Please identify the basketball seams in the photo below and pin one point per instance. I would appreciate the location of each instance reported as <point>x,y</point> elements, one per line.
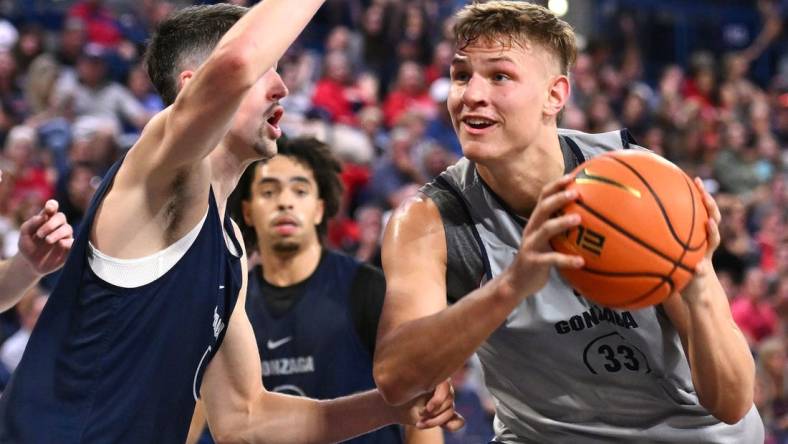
<point>642,280</point>
<point>680,259</point>
<point>689,241</point>
<point>625,273</point>
<point>630,274</point>
<point>665,280</point>
<point>656,199</point>
<point>632,237</point>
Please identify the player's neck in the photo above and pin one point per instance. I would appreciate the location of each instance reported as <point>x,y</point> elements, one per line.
<point>284,270</point>
<point>226,170</point>
<point>519,180</point>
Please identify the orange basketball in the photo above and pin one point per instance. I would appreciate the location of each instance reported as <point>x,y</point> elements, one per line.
<point>643,229</point>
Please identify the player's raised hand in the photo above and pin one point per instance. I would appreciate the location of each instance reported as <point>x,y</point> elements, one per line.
<point>533,262</point>
<point>45,239</point>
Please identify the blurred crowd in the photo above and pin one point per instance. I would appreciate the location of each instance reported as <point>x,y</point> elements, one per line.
<point>370,77</point>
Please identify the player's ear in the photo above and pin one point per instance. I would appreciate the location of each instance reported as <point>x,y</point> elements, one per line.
<point>321,209</point>
<point>184,78</point>
<point>246,211</point>
<point>557,95</point>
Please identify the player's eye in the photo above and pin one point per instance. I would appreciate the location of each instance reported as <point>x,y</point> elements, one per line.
<point>460,76</point>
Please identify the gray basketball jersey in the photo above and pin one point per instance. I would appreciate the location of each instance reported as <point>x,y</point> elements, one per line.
<point>562,369</point>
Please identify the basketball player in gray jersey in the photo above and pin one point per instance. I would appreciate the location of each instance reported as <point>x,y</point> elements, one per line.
<point>561,369</point>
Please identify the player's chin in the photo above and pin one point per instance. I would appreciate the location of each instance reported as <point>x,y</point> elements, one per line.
<point>285,245</point>
<point>265,148</point>
<point>476,150</point>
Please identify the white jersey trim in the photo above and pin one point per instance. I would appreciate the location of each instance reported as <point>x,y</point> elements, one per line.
<point>133,273</point>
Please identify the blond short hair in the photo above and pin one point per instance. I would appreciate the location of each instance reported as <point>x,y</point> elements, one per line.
<point>517,22</point>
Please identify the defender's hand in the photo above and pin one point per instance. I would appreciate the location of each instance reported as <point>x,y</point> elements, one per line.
<point>435,409</point>
<point>45,239</point>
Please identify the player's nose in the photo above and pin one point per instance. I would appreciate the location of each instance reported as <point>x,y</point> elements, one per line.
<point>475,92</point>
<point>278,89</point>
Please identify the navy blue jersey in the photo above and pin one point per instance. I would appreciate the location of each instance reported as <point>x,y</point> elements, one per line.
<point>123,365</point>
<point>313,349</point>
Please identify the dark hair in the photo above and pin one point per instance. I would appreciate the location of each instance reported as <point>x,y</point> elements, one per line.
<point>183,41</point>
<point>311,153</point>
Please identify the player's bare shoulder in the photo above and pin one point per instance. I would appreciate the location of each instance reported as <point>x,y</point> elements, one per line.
<point>415,230</point>
<point>158,206</point>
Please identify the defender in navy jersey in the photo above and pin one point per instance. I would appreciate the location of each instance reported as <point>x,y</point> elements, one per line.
<point>314,311</point>
<point>478,236</point>
<point>149,311</point>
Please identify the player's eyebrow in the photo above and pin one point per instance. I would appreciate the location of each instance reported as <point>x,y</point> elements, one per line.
<point>459,60</point>
<point>463,60</point>
<point>268,180</point>
<point>274,180</point>
<point>299,179</point>
<point>499,59</point>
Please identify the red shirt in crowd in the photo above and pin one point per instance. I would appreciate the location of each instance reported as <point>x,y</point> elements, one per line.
<point>756,319</point>
<point>100,23</point>
<point>399,101</point>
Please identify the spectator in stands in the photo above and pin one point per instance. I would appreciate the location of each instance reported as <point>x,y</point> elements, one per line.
<point>396,170</point>
<point>24,171</point>
<point>737,250</point>
<point>410,93</point>
<point>773,373</point>
<point>100,23</point>
<point>92,94</point>
<point>752,311</point>
<point>72,39</point>
<point>439,128</point>
<point>140,87</point>
<point>735,166</point>
<point>29,46</point>
<point>337,92</point>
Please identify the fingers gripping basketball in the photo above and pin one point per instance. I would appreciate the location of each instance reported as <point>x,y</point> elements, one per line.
<point>643,229</point>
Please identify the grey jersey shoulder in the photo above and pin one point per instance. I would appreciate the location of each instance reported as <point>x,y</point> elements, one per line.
<point>465,268</point>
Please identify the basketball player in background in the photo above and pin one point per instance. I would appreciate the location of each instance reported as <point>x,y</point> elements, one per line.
<point>149,311</point>
<point>314,311</point>
<point>44,242</point>
<point>477,237</point>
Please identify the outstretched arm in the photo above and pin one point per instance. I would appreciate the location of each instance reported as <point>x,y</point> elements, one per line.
<point>191,128</point>
<point>44,242</point>
<point>420,341</point>
<point>239,409</point>
<point>723,371</point>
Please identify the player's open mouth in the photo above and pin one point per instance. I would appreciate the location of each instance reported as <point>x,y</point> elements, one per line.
<point>477,125</point>
<point>273,123</point>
